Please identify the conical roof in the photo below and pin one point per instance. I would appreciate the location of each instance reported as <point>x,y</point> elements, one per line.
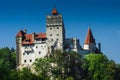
<point>19,34</point>
<point>89,38</point>
<point>54,11</point>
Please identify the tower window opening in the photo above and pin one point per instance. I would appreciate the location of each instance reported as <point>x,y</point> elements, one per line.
<point>50,28</point>
<point>57,34</point>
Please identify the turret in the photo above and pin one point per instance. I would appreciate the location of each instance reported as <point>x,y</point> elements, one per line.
<point>89,43</point>
<point>19,37</point>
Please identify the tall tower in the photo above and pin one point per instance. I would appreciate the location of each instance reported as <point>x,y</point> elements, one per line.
<point>90,41</point>
<point>18,49</point>
<point>55,30</point>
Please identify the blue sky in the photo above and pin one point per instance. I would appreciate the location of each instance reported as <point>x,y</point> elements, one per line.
<point>102,15</point>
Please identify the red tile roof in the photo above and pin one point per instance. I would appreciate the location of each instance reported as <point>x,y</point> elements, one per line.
<point>28,38</point>
<point>54,11</point>
<point>89,38</point>
<point>19,34</point>
<point>40,35</point>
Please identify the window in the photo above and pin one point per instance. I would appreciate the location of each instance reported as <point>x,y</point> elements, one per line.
<point>57,39</point>
<point>57,27</point>
<point>50,34</point>
<point>50,28</point>
<point>39,52</point>
<point>24,60</point>
<point>51,39</point>
<point>57,34</point>
<point>23,53</point>
<point>27,53</point>
<point>30,60</point>
<point>36,46</point>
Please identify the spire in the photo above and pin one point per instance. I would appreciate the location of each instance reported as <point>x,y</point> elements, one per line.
<point>89,38</point>
<point>54,11</point>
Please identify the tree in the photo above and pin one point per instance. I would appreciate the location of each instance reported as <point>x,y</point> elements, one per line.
<point>60,65</point>
<point>7,62</point>
<point>98,67</point>
<point>42,67</point>
<point>24,74</point>
<point>117,72</point>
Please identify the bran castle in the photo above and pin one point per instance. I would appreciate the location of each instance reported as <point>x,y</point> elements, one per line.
<point>32,46</point>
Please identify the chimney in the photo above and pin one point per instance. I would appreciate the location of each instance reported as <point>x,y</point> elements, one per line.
<point>99,46</point>
<point>33,36</point>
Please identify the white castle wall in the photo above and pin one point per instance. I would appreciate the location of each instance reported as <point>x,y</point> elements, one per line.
<point>31,52</point>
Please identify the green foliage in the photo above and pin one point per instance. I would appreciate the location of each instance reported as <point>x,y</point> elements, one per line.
<point>117,72</point>
<point>60,65</point>
<point>24,74</point>
<point>7,62</point>
<point>98,67</point>
<point>42,66</point>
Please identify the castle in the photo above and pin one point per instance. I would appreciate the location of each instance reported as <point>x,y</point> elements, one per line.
<point>29,47</point>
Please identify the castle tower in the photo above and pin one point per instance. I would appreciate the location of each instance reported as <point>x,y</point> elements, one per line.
<point>89,43</point>
<point>55,30</point>
<point>18,49</point>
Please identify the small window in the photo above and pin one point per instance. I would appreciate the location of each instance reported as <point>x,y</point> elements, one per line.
<point>57,34</point>
<point>44,45</point>
<point>50,28</point>
<point>57,27</point>
<point>51,39</point>
<point>50,34</point>
<point>27,53</point>
<point>30,60</point>
<point>24,60</point>
<point>39,52</point>
<point>57,39</point>
<point>23,53</point>
<point>36,46</point>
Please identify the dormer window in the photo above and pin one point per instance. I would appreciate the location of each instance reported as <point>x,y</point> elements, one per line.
<point>27,40</point>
